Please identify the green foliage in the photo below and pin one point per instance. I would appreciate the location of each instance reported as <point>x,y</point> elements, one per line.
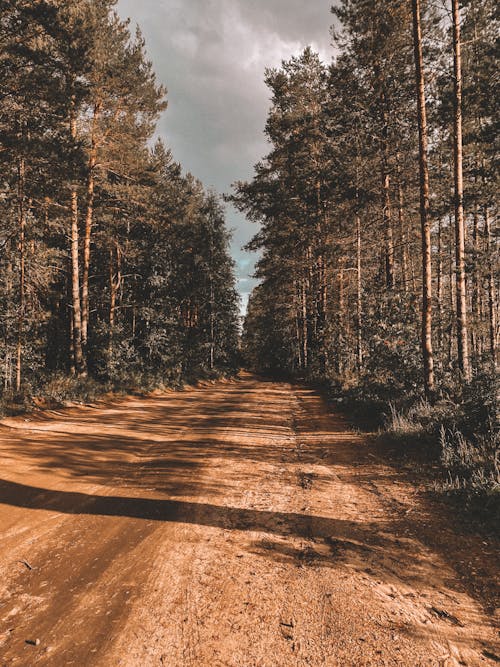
<point>77,118</point>
<point>337,199</point>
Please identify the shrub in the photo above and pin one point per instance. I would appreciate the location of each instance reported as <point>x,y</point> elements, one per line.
<point>471,466</point>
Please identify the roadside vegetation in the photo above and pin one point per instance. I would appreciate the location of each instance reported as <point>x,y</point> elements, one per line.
<point>379,250</point>
<point>115,271</point>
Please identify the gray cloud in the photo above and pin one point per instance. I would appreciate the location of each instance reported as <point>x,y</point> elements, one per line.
<point>211,55</point>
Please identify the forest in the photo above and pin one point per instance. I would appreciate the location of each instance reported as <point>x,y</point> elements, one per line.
<point>114,264</point>
<point>376,206</point>
<point>378,247</point>
<point>316,482</point>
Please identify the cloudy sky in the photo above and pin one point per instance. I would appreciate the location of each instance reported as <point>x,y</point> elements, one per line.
<point>211,55</point>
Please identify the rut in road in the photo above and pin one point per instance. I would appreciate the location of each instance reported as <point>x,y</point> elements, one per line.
<point>233,524</point>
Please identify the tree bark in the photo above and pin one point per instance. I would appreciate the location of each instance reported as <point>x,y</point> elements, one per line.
<point>88,226</point>
<point>403,240</point>
<point>426,341</point>
<point>8,352</point>
<point>359,303</point>
<point>386,197</point>
<point>389,241</point>
<point>115,279</point>
<point>490,281</point>
<point>439,271</point>
<point>475,337</point>
<point>341,320</point>
<point>452,338</point>
<point>21,173</point>
<point>305,336</point>
<point>462,334</point>
<point>79,358</point>
<point>212,323</point>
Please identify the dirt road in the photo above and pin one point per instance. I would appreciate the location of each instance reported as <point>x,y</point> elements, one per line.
<point>236,524</point>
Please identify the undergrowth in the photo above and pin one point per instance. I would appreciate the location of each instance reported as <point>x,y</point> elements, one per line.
<point>458,431</point>
<point>59,389</point>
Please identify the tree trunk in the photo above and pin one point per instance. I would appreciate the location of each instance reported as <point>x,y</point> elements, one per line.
<point>115,279</point>
<point>389,241</point>
<point>359,304</point>
<point>305,336</point>
<point>439,271</point>
<point>490,281</point>
<point>212,323</point>
<point>476,340</point>
<point>427,353</point>
<point>462,335</point>
<point>402,235</point>
<point>453,297</point>
<point>8,353</point>
<point>386,196</point>
<point>88,226</point>
<point>298,324</point>
<point>21,172</point>
<point>112,305</point>
<point>75,271</point>
<point>341,320</point>
<point>71,349</point>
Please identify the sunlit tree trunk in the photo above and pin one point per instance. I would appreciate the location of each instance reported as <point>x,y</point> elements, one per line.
<point>75,271</point>
<point>88,225</point>
<point>426,341</point>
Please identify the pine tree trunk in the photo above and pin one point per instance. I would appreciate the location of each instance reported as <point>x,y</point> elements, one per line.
<point>88,226</point>
<point>297,324</point>
<point>79,359</point>
<point>409,235</point>
<point>462,334</point>
<point>389,241</point>
<point>439,277</point>
<point>305,346</point>
<point>112,305</point>
<point>341,321</point>
<point>8,356</point>
<point>452,340</point>
<point>115,279</point>
<point>21,172</point>
<point>212,324</point>
<point>490,281</point>
<point>476,291</point>
<point>386,196</point>
<point>71,347</point>
<point>427,352</point>
<point>403,240</point>
<point>359,304</point>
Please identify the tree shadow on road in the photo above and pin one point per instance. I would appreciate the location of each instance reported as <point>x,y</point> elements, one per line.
<point>163,445</point>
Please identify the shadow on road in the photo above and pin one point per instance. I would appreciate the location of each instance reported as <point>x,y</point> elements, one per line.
<point>151,509</point>
<point>162,446</point>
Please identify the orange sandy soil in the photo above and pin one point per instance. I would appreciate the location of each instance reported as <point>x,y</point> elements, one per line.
<point>234,524</point>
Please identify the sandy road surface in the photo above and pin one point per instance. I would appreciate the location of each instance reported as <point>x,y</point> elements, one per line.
<point>236,524</point>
